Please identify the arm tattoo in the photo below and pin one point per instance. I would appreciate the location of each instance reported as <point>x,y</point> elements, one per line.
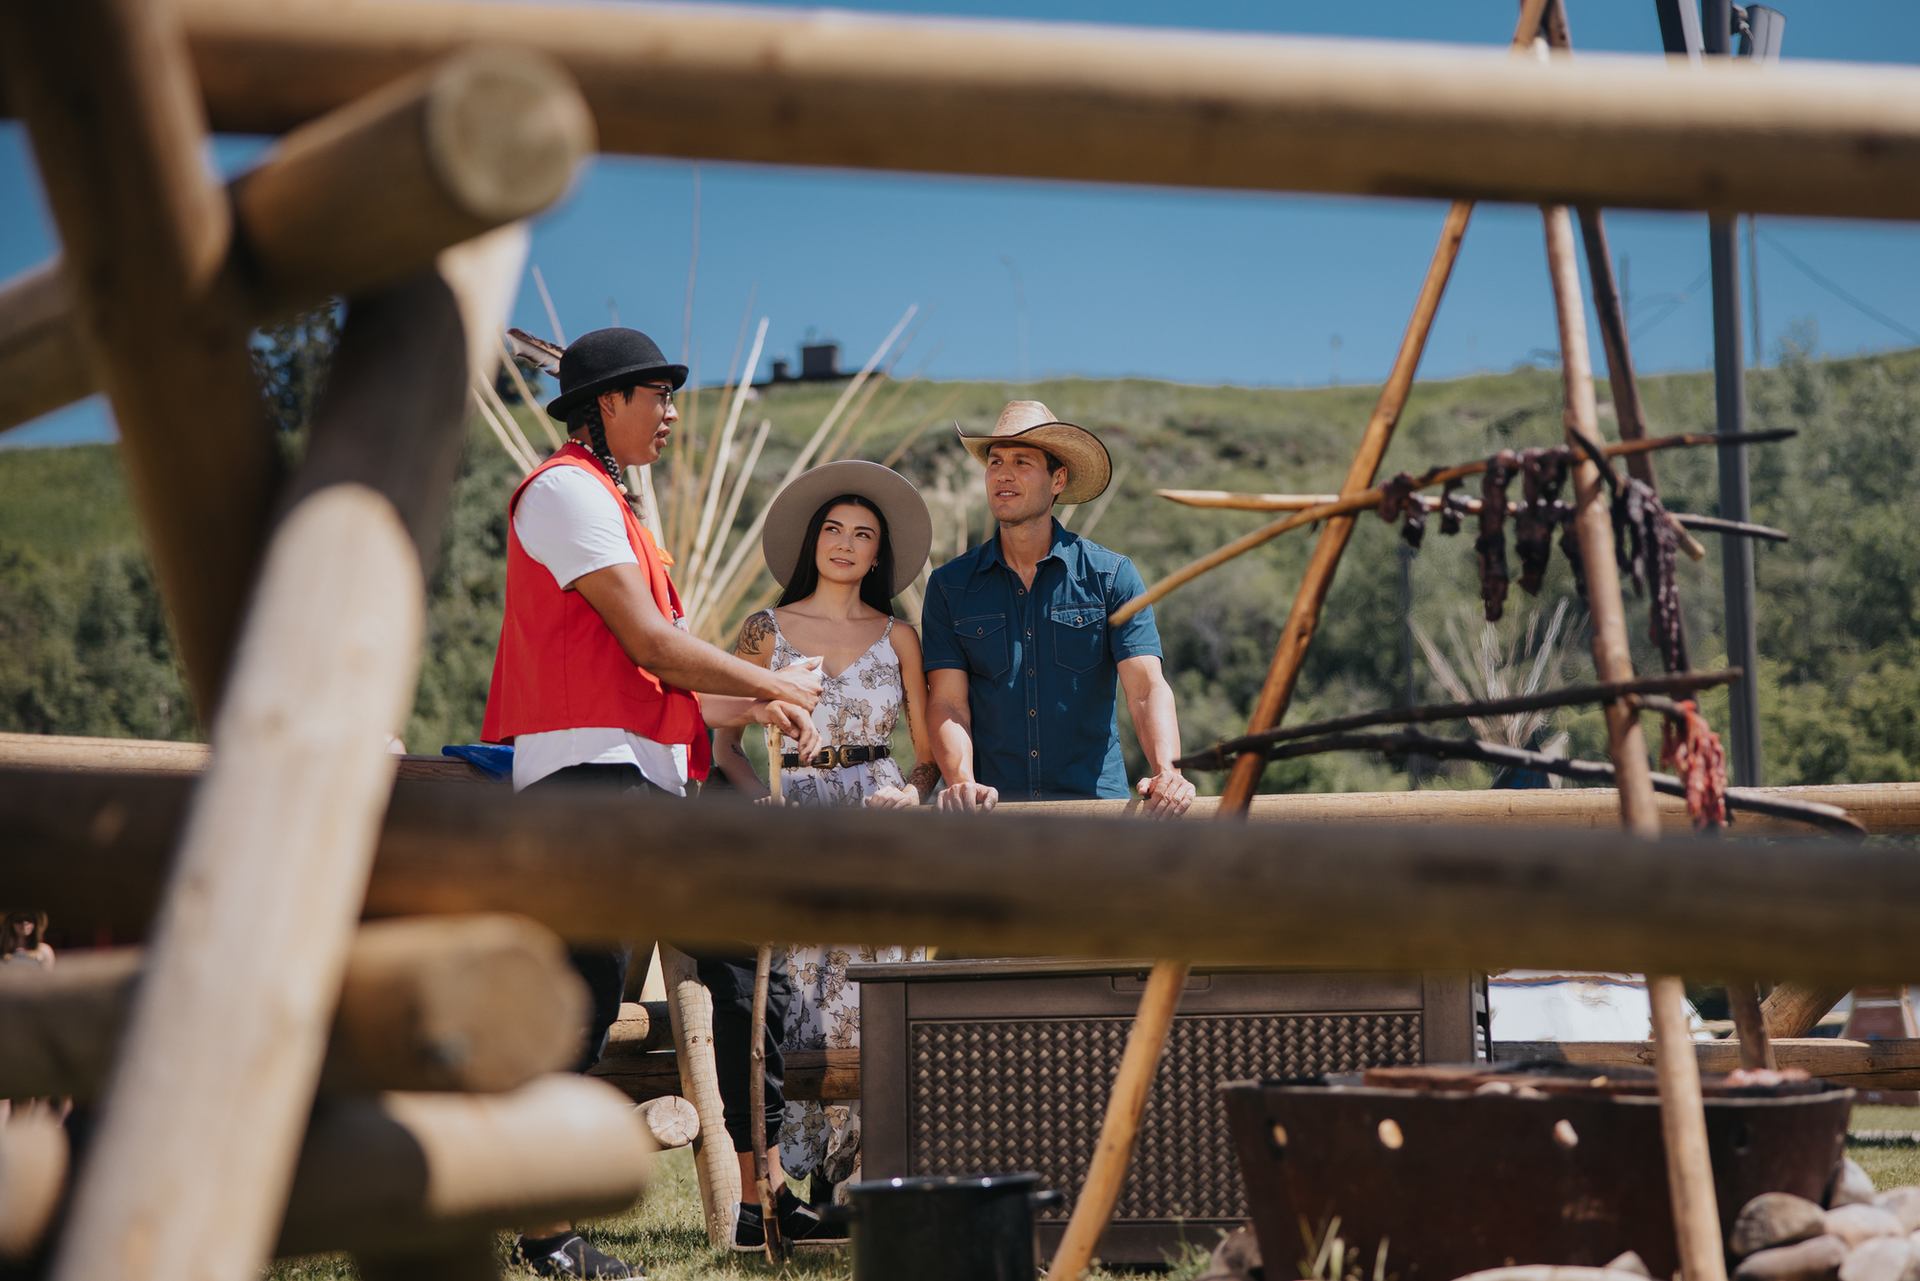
<point>923,778</point>
<point>754,633</point>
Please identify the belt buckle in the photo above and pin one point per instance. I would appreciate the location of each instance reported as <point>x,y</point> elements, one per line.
<point>835,756</point>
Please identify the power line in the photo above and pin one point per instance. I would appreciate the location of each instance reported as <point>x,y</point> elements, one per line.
<point>1673,303</point>
<point>1838,291</point>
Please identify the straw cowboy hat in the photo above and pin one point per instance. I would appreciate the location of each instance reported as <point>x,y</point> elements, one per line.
<point>909,528</point>
<point>1030,423</point>
<point>607,360</point>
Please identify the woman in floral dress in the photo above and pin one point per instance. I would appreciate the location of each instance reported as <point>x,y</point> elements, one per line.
<point>843,540</point>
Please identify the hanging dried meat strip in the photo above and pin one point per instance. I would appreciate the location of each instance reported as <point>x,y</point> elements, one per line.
<point>1570,545</point>
<point>1453,505</point>
<point>1650,552</point>
<point>1544,474</point>
<point>1690,748</point>
<point>1491,545</point>
<point>1398,501</point>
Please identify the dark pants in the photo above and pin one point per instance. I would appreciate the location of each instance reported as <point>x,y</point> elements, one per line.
<point>727,973</point>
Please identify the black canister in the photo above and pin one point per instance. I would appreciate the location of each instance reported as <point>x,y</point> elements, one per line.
<point>947,1227</point>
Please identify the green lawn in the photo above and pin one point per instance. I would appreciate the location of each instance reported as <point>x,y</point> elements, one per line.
<point>1891,1164</point>
<point>665,1232</point>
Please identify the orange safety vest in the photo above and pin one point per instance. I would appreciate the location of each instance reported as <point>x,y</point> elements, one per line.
<point>559,666</point>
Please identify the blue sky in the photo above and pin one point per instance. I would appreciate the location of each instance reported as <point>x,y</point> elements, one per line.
<point>1190,286</point>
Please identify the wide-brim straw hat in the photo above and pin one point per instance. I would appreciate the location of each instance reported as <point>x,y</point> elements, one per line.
<point>1028,422</point>
<point>909,527</point>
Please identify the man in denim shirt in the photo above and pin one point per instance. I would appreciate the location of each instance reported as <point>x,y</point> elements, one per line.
<point>1021,661</point>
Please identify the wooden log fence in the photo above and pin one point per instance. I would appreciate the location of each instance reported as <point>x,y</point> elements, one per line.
<point>477,1004</point>
<point>1368,118</point>
<point>401,1173</point>
<point>1350,894</point>
<point>822,1076</point>
<point>456,150</point>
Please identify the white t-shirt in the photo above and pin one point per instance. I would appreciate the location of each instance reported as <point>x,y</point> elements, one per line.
<point>566,521</point>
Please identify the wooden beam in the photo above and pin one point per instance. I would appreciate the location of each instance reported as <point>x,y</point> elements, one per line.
<point>1862,1065</point>
<point>1795,1009</point>
<point>146,755</point>
<point>1111,104</point>
<point>410,1172</point>
<point>1411,897</point>
<point>486,138</point>
<point>825,1076</point>
<point>1887,809</point>
<point>461,1004</point>
<point>642,1028</point>
<point>118,132</point>
<point>716,1171</point>
<point>223,1050</point>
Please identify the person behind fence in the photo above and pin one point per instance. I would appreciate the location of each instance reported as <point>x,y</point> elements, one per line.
<point>843,540</point>
<point>1021,660</point>
<point>597,682</point>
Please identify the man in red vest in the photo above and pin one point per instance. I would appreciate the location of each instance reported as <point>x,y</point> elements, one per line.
<point>595,678</point>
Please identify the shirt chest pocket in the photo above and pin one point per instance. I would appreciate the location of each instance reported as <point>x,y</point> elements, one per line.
<point>983,639</point>
<point>1079,635</point>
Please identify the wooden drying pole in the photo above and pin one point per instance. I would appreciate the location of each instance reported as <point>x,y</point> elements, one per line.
<point>1351,502</point>
<point>1682,1118</point>
<point>757,1055</point>
<point>1573,695</point>
<point>1413,742</point>
<point>1227,500</point>
<point>1147,1038</point>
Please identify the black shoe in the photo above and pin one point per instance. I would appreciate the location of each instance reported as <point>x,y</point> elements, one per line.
<point>572,1255</point>
<point>800,1224</point>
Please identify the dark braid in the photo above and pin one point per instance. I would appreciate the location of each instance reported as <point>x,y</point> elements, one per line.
<point>588,416</point>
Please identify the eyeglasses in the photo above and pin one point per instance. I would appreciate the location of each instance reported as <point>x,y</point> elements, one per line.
<point>664,393</point>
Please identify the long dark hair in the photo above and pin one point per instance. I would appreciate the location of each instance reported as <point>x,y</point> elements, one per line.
<point>876,589</point>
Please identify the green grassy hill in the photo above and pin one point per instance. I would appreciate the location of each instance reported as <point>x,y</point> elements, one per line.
<point>83,650</point>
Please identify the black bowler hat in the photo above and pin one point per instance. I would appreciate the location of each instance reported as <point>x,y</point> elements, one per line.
<point>609,360</point>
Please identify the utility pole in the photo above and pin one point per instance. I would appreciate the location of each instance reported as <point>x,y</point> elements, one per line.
<point>1730,400</point>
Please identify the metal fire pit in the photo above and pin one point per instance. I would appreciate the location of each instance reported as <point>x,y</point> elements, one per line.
<point>1457,1171</point>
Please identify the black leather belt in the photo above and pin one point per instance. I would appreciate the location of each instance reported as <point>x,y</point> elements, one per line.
<point>835,757</point>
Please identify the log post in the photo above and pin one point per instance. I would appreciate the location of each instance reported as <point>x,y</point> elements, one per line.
<point>482,140</point>
<point>481,1003</point>
<point>1750,1025</point>
<point>1147,1039</point>
<point>715,1168</point>
<point>223,1051</point>
<point>115,116</point>
<point>671,1120</point>
<point>33,1175</point>
<point>1682,1120</point>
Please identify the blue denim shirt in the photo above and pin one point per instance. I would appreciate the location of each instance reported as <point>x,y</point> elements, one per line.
<point>1041,665</point>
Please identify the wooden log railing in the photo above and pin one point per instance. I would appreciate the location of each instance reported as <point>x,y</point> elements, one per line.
<point>403,1172</point>
<point>1367,118</point>
<point>1886,809</point>
<point>825,1076</point>
<point>1427,896</point>
<point>477,1004</point>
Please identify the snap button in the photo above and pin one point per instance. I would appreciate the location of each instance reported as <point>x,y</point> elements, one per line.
<point>979,631</point>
